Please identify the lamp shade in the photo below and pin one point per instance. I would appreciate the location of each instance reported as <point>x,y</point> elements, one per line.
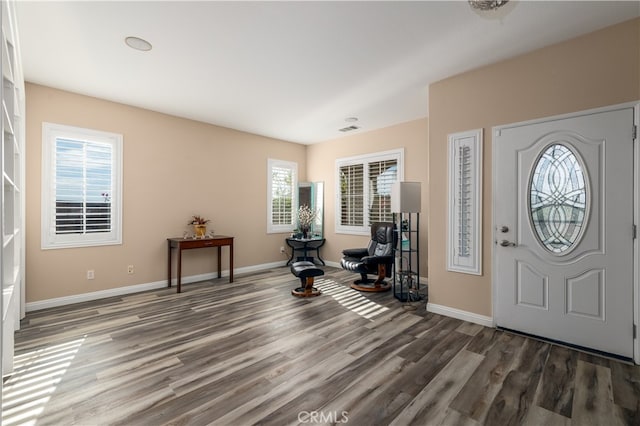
<point>405,197</point>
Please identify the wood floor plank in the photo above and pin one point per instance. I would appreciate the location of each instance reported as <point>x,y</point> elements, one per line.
<point>454,417</point>
<point>339,325</point>
<point>627,416</point>
<point>430,320</point>
<point>476,399</point>
<point>430,405</point>
<point>374,407</point>
<point>555,392</point>
<point>288,393</point>
<point>216,408</point>
<point>97,396</point>
<point>337,382</point>
<point>436,333</point>
<point>538,416</point>
<point>193,399</point>
<point>626,385</point>
<point>484,340</point>
<point>382,333</point>
<point>469,328</point>
<point>593,397</point>
<point>510,405</point>
<point>345,401</point>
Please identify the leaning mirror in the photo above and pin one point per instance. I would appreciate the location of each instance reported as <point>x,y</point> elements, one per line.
<point>312,194</point>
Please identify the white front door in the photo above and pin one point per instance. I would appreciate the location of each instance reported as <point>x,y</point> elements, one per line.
<point>563,211</point>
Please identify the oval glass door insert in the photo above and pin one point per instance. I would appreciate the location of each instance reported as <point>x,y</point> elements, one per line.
<point>558,199</point>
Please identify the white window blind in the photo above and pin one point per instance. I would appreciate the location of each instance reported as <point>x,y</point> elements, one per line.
<point>282,196</point>
<point>352,195</point>
<point>365,190</point>
<point>282,182</point>
<point>81,187</point>
<point>464,242</point>
<point>381,175</point>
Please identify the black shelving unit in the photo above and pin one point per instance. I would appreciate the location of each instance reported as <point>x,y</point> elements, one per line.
<point>406,276</point>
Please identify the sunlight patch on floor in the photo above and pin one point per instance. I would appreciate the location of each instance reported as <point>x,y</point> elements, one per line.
<point>350,298</point>
<point>35,376</point>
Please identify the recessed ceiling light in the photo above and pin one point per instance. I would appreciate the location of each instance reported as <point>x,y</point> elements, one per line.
<point>138,43</point>
<point>351,119</point>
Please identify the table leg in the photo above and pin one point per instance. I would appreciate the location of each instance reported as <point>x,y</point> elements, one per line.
<point>179,269</point>
<point>219,262</point>
<point>231,262</point>
<point>169,263</point>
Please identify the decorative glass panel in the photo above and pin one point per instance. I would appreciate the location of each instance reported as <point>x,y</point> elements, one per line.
<point>558,199</point>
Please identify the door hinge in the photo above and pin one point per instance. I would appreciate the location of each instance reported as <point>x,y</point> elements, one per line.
<point>634,132</point>
<point>634,232</point>
<point>634,331</point>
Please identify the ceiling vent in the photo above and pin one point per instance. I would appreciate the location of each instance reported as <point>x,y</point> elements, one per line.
<point>349,128</point>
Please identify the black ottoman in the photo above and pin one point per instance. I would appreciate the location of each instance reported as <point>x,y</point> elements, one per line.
<point>306,271</point>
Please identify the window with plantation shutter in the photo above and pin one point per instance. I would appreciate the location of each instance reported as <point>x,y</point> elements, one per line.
<point>381,175</point>
<point>81,187</point>
<point>282,182</point>
<point>364,190</point>
<point>351,195</point>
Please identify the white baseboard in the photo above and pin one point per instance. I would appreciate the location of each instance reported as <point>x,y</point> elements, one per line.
<point>120,291</point>
<point>460,314</point>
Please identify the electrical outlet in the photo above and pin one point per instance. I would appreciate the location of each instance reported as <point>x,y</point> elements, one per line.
<point>130,269</point>
<point>282,249</point>
<point>90,274</point>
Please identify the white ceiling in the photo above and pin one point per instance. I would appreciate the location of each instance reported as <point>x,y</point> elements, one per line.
<point>287,70</point>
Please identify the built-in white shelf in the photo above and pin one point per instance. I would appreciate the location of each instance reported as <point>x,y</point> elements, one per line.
<point>12,197</point>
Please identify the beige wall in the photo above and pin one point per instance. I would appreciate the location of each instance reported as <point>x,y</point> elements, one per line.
<point>173,168</point>
<point>599,69</point>
<point>321,158</point>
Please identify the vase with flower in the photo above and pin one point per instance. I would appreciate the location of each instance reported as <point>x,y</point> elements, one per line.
<point>306,216</point>
<point>199,225</point>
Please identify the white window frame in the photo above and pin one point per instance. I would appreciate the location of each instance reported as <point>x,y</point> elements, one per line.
<point>51,240</point>
<point>293,166</point>
<point>365,229</point>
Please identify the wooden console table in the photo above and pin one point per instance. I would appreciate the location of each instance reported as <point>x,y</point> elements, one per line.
<point>190,243</point>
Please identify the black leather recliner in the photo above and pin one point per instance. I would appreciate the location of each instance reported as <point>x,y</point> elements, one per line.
<point>377,258</point>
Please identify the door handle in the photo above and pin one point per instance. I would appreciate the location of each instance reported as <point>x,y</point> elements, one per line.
<point>505,243</point>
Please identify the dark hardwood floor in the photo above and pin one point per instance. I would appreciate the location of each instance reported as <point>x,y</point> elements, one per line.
<point>250,353</point>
